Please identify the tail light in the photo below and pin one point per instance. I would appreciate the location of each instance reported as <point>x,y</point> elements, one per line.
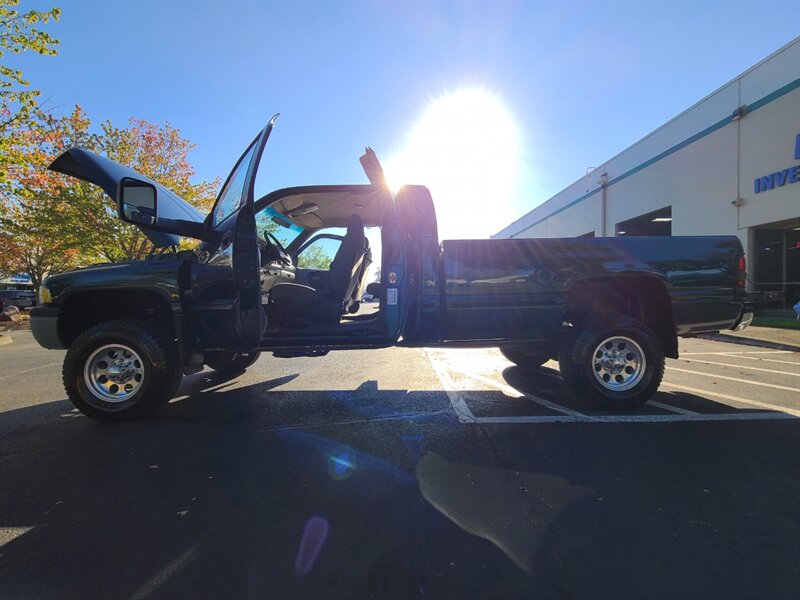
<point>742,280</point>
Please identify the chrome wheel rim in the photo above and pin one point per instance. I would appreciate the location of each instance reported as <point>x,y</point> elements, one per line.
<point>114,373</point>
<point>618,363</point>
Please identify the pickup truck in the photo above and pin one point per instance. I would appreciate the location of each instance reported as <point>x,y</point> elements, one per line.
<point>608,309</point>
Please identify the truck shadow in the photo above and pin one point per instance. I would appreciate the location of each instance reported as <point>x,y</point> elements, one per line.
<point>212,496</point>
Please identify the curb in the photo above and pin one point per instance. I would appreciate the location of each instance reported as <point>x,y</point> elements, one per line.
<point>5,340</point>
<point>745,341</point>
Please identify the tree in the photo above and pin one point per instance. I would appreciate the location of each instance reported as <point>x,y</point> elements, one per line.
<point>158,151</point>
<point>39,235</point>
<point>18,103</point>
<point>314,257</point>
<point>50,222</point>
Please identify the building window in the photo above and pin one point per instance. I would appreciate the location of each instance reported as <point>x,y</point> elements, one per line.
<point>658,222</point>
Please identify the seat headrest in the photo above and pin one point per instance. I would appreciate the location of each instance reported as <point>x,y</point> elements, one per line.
<point>355,226</point>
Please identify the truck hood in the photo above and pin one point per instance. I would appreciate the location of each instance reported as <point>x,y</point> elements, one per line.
<point>107,174</point>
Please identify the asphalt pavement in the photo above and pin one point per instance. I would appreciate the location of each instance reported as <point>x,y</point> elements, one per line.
<point>406,473</point>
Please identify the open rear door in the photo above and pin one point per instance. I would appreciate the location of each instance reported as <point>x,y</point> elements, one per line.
<point>233,217</point>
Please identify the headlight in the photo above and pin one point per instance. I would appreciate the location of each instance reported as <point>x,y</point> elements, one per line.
<point>44,295</point>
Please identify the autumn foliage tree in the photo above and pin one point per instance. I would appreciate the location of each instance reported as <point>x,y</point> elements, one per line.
<point>19,32</point>
<point>50,222</point>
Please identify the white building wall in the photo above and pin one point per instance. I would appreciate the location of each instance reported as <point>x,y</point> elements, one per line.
<point>767,145</point>
<point>718,159</point>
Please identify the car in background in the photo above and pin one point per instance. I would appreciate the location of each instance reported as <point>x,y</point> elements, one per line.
<point>22,299</point>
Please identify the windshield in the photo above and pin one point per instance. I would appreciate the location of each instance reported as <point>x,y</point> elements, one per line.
<point>271,221</point>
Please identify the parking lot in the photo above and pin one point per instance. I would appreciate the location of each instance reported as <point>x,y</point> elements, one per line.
<point>406,473</point>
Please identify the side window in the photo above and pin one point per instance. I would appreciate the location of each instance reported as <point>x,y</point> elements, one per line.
<point>318,254</point>
<point>230,199</point>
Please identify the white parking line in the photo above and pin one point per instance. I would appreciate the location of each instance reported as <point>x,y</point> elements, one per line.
<point>758,383</point>
<point>760,416</point>
<point>510,391</point>
<point>675,409</point>
<point>18,373</point>
<point>465,415</point>
<point>771,360</point>
<point>734,353</point>
<point>460,407</point>
<point>710,362</point>
<point>699,392</point>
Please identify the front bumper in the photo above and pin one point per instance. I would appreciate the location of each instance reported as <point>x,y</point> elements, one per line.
<point>44,327</point>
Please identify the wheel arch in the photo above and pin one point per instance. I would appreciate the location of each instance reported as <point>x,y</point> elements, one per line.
<point>643,297</point>
<point>84,309</point>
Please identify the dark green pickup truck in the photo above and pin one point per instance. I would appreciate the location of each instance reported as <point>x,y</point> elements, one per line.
<point>608,309</point>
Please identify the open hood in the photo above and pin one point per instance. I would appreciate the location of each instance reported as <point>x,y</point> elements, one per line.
<point>108,174</point>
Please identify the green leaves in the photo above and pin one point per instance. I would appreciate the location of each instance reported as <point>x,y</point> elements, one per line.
<point>19,33</point>
<point>50,222</point>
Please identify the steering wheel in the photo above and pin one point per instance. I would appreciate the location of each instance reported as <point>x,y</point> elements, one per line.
<point>272,240</point>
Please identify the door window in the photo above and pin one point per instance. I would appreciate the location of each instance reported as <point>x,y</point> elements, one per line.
<point>230,199</point>
<point>320,253</point>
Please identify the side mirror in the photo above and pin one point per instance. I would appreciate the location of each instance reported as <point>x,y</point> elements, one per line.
<point>137,201</point>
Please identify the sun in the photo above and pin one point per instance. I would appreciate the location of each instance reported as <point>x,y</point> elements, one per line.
<point>465,148</point>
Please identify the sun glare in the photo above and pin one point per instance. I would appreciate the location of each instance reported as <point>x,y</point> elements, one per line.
<point>465,149</point>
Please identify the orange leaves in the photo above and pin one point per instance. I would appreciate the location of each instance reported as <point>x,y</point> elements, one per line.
<point>58,222</point>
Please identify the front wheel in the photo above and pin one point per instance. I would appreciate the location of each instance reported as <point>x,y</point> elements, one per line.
<point>230,362</point>
<point>615,365</point>
<point>120,370</point>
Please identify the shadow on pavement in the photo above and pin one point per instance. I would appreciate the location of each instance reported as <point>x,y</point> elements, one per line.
<point>259,492</point>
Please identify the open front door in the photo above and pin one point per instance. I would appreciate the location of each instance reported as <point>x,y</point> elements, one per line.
<point>233,216</point>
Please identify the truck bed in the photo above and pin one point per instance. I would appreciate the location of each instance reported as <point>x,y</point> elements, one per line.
<point>521,289</point>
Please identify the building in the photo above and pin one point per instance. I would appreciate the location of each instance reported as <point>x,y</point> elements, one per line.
<point>729,165</point>
<point>16,282</point>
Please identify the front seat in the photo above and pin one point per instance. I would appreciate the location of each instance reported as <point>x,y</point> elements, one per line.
<point>291,302</point>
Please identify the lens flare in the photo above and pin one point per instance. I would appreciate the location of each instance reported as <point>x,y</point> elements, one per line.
<point>341,463</point>
<point>314,535</point>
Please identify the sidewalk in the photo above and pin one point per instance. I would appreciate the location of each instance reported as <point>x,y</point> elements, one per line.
<point>767,337</point>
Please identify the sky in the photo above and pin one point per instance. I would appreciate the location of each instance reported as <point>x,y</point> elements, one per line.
<point>496,106</point>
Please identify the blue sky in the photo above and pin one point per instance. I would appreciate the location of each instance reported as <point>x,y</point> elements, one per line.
<point>580,80</point>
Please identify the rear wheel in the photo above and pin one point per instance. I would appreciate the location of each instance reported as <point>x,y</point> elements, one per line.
<point>616,365</point>
<point>526,357</point>
<point>230,362</point>
<point>120,370</point>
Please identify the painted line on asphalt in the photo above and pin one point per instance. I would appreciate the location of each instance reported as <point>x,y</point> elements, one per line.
<point>675,409</point>
<point>699,392</point>
<point>510,391</point>
<point>465,415</point>
<point>733,353</point>
<point>770,360</point>
<point>736,379</point>
<point>18,373</point>
<point>457,401</point>
<point>710,362</point>
<point>761,416</point>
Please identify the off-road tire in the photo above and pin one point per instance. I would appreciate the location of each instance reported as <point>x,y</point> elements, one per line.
<point>230,362</point>
<point>577,358</point>
<point>161,370</point>
<point>528,358</point>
